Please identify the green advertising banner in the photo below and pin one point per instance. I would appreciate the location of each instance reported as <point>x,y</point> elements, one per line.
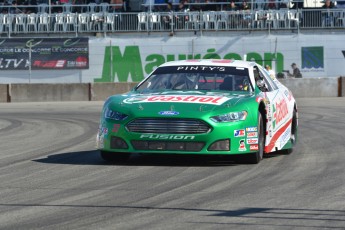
<point>44,53</point>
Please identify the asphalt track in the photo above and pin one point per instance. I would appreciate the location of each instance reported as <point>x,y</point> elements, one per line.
<point>51,177</point>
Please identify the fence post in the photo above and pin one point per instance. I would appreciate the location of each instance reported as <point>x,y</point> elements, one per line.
<point>8,93</point>
<point>340,86</point>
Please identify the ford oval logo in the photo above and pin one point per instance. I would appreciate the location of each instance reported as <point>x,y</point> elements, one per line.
<point>168,113</point>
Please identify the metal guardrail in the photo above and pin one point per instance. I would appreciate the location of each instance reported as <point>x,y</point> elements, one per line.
<point>113,22</point>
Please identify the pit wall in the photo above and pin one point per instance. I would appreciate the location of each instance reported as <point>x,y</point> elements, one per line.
<point>316,87</point>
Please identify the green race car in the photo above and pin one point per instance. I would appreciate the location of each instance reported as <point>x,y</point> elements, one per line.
<point>204,107</point>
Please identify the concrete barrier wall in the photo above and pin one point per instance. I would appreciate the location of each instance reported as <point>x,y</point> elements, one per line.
<point>3,93</point>
<point>312,87</point>
<point>49,92</point>
<point>101,91</point>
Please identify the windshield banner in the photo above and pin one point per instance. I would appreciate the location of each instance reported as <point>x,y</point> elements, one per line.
<point>44,53</point>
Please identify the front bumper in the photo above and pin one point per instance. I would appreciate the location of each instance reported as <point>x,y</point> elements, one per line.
<point>222,139</point>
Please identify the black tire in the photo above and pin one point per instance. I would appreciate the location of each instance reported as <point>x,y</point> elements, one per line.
<point>255,158</point>
<point>114,157</point>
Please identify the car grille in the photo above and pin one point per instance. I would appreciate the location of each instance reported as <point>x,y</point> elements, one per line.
<point>168,126</point>
<point>168,146</point>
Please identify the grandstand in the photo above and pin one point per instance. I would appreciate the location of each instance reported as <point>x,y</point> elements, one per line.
<point>197,16</point>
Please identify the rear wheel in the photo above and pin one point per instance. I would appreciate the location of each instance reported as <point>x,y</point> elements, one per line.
<point>114,157</point>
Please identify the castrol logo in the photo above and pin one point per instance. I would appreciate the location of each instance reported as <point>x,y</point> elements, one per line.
<point>214,100</point>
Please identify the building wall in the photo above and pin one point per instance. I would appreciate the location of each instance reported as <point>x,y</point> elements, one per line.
<point>131,58</point>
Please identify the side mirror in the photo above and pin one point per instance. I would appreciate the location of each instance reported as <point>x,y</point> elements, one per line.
<point>262,86</point>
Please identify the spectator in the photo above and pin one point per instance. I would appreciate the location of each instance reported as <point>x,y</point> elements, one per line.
<point>271,5</point>
<point>327,17</point>
<point>168,18</point>
<point>232,6</point>
<point>78,8</point>
<point>283,4</point>
<point>118,5</point>
<point>246,17</point>
<point>31,6</point>
<point>233,16</point>
<point>183,6</point>
<point>210,5</point>
<point>270,71</point>
<point>244,5</point>
<point>296,72</point>
<point>14,9</point>
<point>328,4</point>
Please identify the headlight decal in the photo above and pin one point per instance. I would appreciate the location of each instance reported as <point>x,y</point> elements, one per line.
<point>114,115</point>
<point>230,117</point>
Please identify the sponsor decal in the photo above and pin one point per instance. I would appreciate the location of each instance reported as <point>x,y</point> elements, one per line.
<point>270,146</point>
<point>254,147</point>
<point>49,64</point>
<point>242,146</point>
<point>239,133</point>
<point>201,68</point>
<point>222,61</point>
<point>252,129</point>
<point>312,59</point>
<point>290,96</point>
<point>46,53</point>
<point>168,113</point>
<point>252,141</point>
<point>259,99</point>
<point>252,134</point>
<point>262,97</point>
<point>70,42</point>
<point>32,43</point>
<point>134,68</point>
<point>116,128</point>
<point>7,63</point>
<point>100,141</point>
<point>193,60</point>
<point>80,62</point>
<point>285,137</point>
<point>103,131</point>
<point>280,111</point>
<point>268,110</point>
<point>214,100</point>
<point>166,137</point>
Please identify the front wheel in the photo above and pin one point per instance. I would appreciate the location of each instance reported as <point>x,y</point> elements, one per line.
<point>114,157</point>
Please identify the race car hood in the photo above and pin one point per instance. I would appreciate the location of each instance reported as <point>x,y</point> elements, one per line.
<point>177,103</point>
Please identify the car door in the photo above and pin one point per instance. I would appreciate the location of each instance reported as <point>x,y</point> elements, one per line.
<point>279,112</point>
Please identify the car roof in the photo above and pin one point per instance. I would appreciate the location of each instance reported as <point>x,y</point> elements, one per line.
<point>211,62</point>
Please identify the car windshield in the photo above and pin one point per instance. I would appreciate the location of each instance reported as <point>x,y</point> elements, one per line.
<point>197,78</point>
